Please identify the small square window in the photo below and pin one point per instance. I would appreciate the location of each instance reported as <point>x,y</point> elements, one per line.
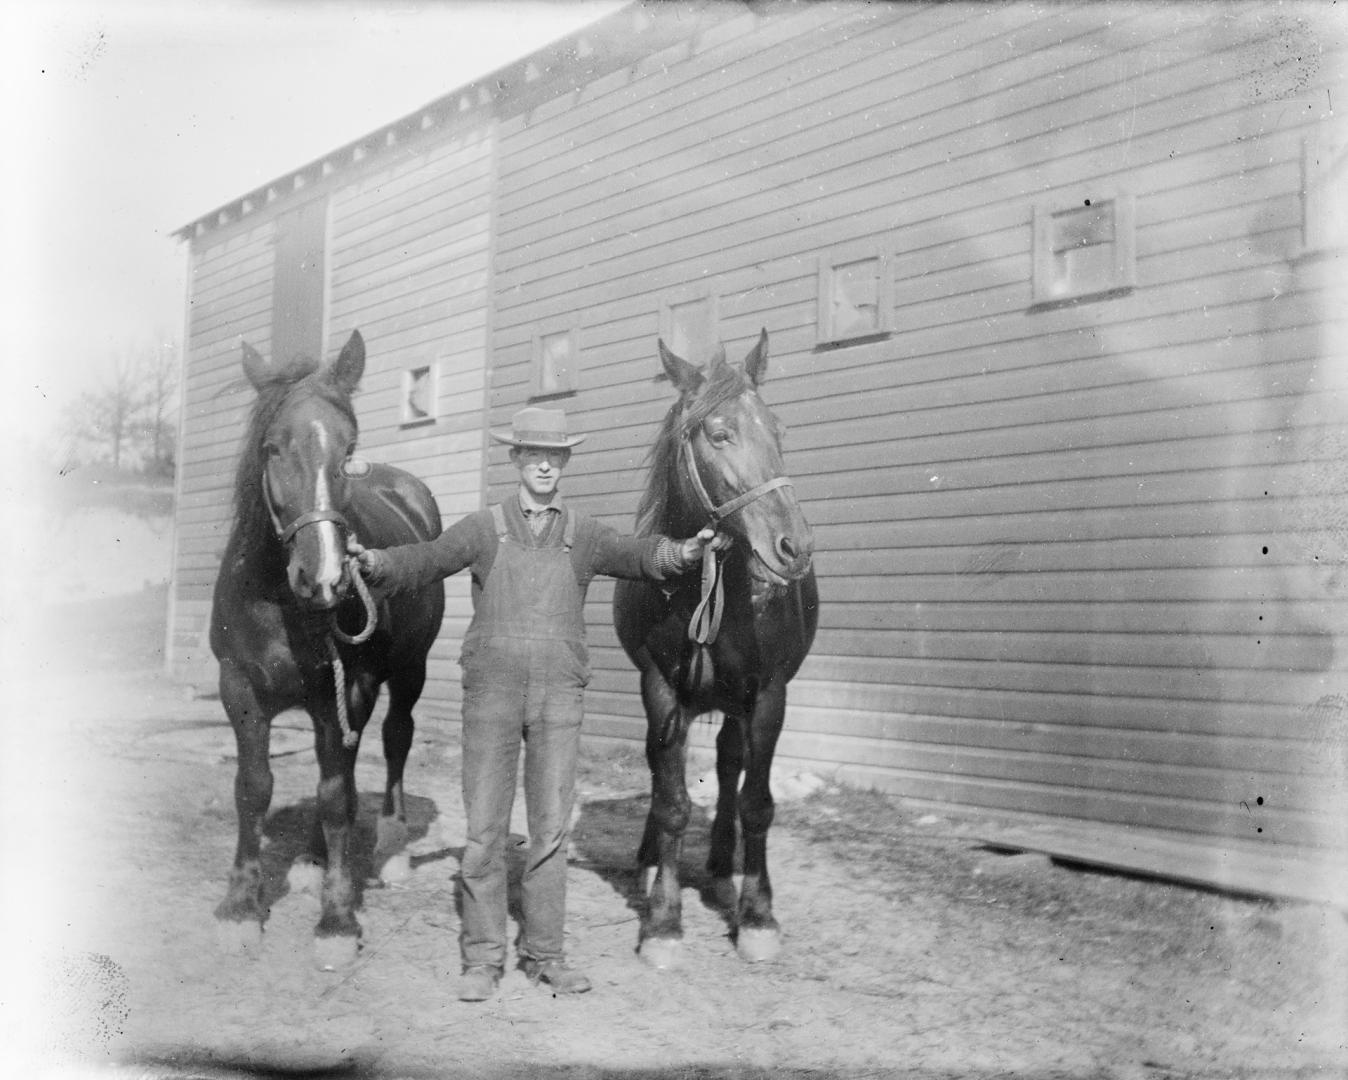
<point>555,365</point>
<point>418,395</point>
<point>690,322</point>
<point>1083,250</point>
<point>855,298</point>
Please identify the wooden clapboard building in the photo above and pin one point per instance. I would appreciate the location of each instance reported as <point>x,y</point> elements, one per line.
<point>1050,294</point>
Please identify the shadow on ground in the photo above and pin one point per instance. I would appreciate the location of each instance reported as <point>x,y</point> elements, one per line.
<point>608,834</point>
<point>293,835</point>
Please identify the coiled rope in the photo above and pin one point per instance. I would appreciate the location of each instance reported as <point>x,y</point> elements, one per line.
<point>349,738</point>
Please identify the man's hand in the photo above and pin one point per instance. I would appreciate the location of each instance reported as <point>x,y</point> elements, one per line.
<point>707,540</point>
<point>371,561</point>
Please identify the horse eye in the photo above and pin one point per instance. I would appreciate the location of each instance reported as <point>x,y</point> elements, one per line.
<point>719,437</point>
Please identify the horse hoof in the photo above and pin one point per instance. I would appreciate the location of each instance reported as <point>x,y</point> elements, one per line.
<point>397,869</point>
<point>305,877</point>
<point>663,954</point>
<point>336,952</point>
<point>757,945</point>
<point>238,937</point>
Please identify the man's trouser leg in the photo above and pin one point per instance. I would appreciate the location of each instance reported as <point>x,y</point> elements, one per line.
<point>552,742</point>
<point>492,726</point>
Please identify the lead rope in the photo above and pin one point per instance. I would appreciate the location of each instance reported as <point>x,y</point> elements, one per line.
<point>371,612</point>
<point>705,625</point>
<point>350,738</point>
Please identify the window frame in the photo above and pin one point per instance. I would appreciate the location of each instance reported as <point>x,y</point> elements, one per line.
<point>707,292</point>
<point>432,370</point>
<point>826,336</point>
<point>542,332</point>
<point>1122,276</point>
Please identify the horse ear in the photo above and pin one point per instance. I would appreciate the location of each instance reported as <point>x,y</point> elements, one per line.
<point>756,363</point>
<point>254,366</point>
<point>685,376</point>
<point>350,365</point>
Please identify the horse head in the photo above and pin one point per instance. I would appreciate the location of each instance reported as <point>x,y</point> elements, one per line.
<point>728,462</point>
<point>305,432</point>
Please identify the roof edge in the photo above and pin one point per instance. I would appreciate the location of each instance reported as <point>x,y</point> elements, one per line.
<point>596,49</point>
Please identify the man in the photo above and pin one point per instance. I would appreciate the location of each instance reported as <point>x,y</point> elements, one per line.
<point>525,666</point>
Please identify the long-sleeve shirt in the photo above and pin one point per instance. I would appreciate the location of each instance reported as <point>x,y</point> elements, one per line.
<point>471,544</point>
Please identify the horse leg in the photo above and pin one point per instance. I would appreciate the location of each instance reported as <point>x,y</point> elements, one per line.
<point>240,914</point>
<point>662,843</point>
<point>337,935</point>
<point>306,872</point>
<point>390,849</point>
<point>759,936</point>
<point>725,826</point>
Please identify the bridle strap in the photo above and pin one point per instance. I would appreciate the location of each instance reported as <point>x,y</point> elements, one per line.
<point>728,508</point>
<point>705,625</point>
<point>720,513</point>
<point>311,517</point>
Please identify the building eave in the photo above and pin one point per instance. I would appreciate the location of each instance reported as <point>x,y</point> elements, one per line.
<point>617,40</point>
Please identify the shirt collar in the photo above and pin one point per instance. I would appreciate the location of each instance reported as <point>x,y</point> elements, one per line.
<point>528,509</point>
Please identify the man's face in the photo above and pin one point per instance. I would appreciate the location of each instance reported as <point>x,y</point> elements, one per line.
<point>540,470</point>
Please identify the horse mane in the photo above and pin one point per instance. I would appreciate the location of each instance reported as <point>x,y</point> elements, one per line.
<point>252,522</point>
<point>724,382</point>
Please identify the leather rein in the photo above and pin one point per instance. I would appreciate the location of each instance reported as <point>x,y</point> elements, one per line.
<point>285,535</point>
<point>705,625</point>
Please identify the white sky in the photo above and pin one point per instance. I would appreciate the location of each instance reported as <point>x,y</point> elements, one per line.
<point>126,119</point>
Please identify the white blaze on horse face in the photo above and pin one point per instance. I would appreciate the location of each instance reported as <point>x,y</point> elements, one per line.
<point>329,572</point>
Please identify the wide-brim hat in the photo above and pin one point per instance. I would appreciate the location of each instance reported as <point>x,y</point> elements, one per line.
<point>544,428</point>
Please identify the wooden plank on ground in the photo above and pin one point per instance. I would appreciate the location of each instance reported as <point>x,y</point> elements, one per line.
<point>1277,872</point>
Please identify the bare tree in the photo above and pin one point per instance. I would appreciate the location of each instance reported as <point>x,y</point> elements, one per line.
<point>154,425</point>
<point>126,420</point>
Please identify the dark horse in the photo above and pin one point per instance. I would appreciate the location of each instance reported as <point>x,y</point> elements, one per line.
<point>730,642</point>
<point>292,626</point>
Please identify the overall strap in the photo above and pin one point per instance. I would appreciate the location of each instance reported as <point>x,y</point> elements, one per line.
<point>498,519</point>
<point>568,529</point>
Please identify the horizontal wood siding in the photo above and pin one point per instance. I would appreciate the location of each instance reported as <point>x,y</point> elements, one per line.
<point>409,268</point>
<point>231,298</point>
<point>408,265</point>
<point>1073,559</point>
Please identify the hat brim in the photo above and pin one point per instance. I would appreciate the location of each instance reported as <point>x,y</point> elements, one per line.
<point>565,443</point>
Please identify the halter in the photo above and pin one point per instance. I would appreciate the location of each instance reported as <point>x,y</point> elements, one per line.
<point>705,625</point>
<point>285,535</point>
<point>716,513</point>
<point>309,517</point>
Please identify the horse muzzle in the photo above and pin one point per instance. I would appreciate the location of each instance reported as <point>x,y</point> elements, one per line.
<point>317,568</point>
<point>787,560</point>
<point>317,589</point>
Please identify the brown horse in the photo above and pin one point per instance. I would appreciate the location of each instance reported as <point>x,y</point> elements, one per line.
<point>730,642</point>
<point>292,626</point>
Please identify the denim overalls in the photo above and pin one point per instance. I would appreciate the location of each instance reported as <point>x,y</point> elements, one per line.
<point>525,667</point>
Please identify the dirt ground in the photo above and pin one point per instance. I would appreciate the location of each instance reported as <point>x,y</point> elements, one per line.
<point>911,948</point>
